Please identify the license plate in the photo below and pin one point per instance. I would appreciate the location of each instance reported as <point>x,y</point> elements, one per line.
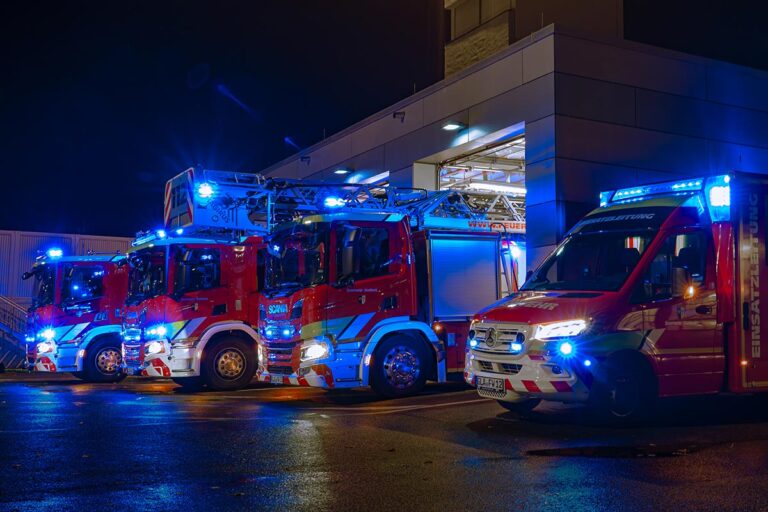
<point>490,384</point>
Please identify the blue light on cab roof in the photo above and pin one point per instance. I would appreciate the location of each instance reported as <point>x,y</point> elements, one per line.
<point>717,193</point>
<point>670,187</point>
<point>54,252</point>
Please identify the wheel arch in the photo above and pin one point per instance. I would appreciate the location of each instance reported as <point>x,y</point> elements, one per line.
<point>418,330</point>
<point>218,331</point>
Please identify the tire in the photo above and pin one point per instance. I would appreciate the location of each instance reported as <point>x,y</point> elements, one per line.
<point>521,407</point>
<point>400,366</point>
<point>229,363</point>
<point>624,391</point>
<point>103,362</point>
<point>189,384</point>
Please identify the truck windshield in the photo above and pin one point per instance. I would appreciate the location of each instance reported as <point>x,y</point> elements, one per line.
<point>147,274</point>
<point>297,258</point>
<point>81,283</point>
<point>44,285</point>
<point>591,261</point>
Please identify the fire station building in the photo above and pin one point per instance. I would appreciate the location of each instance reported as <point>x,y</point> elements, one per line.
<point>555,116</point>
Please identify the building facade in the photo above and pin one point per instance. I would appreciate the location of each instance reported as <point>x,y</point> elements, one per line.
<point>562,113</point>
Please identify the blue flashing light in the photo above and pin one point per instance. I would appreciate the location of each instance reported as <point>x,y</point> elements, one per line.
<point>605,197</point>
<point>205,190</point>
<point>54,252</point>
<point>473,343</point>
<point>718,197</point>
<point>516,252</point>
<point>276,248</point>
<point>160,233</point>
<point>515,347</point>
<point>180,231</point>
<point>671,187</point>
<point>565,348</point>
<point>587,363</point>
<point>333,202</point>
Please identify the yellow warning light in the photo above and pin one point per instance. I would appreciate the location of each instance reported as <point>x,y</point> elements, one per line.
<point>690,292</point>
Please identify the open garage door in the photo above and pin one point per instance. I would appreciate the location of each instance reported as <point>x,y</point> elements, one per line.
<point>496,171</point>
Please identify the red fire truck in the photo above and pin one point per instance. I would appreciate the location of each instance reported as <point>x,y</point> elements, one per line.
<point>656,293</point>
<point>377,287</point>
<point>193,292</point>
<point>74,323</point>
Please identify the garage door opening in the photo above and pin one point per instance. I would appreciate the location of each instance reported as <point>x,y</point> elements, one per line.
<point>494,177</point>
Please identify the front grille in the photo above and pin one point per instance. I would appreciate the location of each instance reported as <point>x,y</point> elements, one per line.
<point>491,394</point>
<point>132,354</point>
<point>279,370</point>
<point>505,368</point>
<point>485,365</point>
<point>503,336</point>
<point>511,369</point>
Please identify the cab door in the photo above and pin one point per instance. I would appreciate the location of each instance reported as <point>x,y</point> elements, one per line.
<point>367,279</point>
<point>679,315</point>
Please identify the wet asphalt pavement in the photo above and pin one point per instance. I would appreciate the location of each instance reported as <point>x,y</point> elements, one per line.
<point>142,445</point>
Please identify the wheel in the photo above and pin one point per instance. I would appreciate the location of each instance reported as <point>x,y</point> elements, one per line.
<point>521,407</point>
<point>229,363</point>
<point>400,366</point>
<point>624,391</point>
<point>103,361</point>
<point>189,383</point>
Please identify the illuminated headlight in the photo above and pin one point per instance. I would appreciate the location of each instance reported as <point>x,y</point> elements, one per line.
<point>154,347</point>
<point>565,349</point>
<point>157,331</point>
<point>44,347</point>
<point>564,329</point>
<point>260,354</point>
<point>315,351</point>
<point>47,334</point>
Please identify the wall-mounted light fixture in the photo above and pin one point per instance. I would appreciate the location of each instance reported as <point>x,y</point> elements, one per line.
<point>452,126</point>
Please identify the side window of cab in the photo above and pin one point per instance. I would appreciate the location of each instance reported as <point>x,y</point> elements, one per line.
<point>680,263</point>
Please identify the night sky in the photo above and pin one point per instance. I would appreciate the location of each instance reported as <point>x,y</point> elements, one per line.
<point>101,102</point>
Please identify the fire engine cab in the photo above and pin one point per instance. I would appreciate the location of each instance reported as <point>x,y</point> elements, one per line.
<point>193,289</point>
<point>376,286</point>
<point>654,293</point>
<point>74,323</point>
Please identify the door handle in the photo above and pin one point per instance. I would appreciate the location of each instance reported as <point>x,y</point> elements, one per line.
<point>703,310</point>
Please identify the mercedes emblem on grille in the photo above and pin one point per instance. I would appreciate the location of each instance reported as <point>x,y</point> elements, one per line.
<point>490,338</point>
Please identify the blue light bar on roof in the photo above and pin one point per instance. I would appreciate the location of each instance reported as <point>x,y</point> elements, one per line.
<point>670,187</point>
<point>717,193</point>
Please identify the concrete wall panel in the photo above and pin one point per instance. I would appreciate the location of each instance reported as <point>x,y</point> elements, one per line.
<point>538,59</point>
<point>626,66</point>
<point>688,116</point>
<point>737,86</point>
<point>529,102</point>
<point>593,99</point>
<point>625,146</point>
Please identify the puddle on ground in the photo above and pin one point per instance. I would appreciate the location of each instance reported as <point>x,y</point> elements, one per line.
<point>617,452</point>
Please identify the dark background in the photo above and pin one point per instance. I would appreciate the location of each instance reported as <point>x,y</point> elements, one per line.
<point>101,102</point>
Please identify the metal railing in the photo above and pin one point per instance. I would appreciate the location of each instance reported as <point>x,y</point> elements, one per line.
<point>13,321</point>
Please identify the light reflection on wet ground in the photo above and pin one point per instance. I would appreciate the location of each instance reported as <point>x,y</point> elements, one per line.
<point>67,445</point>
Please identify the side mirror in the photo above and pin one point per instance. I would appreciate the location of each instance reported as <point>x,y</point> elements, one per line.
<point>681,279</point>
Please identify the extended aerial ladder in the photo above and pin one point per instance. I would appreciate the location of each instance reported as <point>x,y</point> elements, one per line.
<point>226,204</point>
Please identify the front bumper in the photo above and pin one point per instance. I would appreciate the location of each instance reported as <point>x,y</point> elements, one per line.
<point>65,357</point>
<point>173,362</point>
<point>526,376</point>
<point>280,363</point>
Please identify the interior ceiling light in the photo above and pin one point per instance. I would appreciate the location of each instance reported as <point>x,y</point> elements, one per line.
<point>497,187</point>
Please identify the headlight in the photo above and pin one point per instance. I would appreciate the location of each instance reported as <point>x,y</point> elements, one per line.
<point>564,329</point>
<point>47,334</point>
<point>156,331</point>
<point>44,347</point>
<point>154,347</point>
<point>314,351</point>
